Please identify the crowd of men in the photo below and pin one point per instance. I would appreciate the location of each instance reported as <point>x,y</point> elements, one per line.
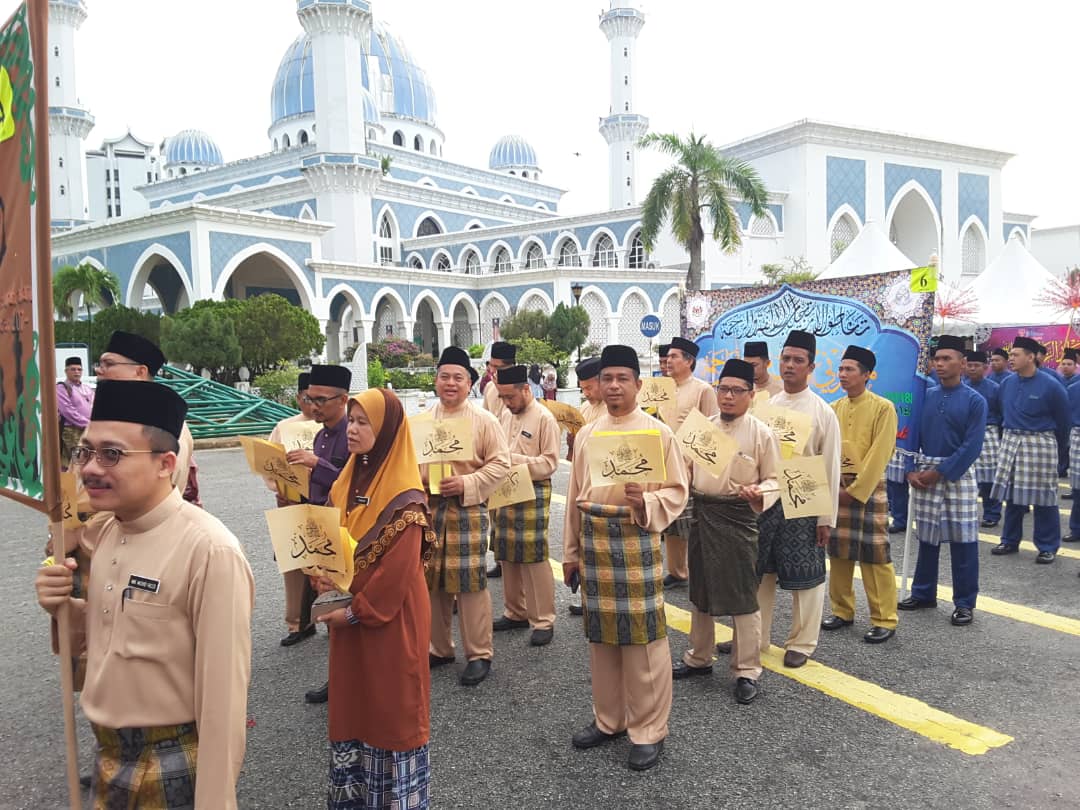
<point>1002,435</point>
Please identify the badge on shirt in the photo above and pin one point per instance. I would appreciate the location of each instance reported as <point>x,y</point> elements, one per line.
<point>362,500</point>
<point>144,583</point>
<point>526,434</point>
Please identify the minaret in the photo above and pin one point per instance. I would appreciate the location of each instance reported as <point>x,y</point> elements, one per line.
<point>622,128</point>
<point>69,122</point>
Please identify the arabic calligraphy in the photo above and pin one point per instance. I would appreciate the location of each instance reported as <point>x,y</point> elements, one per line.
<point>702,446</point>
<point>790,310</point>
<point>442,442</point>
<point>625,463</point>
<point>311,539</point>
<point>800,487</point>
<point>282,471</point>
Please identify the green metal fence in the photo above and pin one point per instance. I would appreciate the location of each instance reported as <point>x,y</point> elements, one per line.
<point>216,410</point>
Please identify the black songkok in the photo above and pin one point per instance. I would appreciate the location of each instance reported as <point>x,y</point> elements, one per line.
<point>137,349</point>
<point>756,348</point>
<point>514,375</point>
<point>142,403</point>
<point>453,356</point>
<point>739,368</point>
<point>861,355</point>
<point>621,357</point>
<point>1071,354</point>
<point>73,361</point>
<point>663,349</point>
<point>685,346</point>
<point>976,357</point>
<point>501,350</point>
<point>331,377</point>
<point>802,340</point>
<point>588,369</point>
<point>999,352</point>
<point>303,381</point>
<point>1027,344</point>
<point>952,342</point>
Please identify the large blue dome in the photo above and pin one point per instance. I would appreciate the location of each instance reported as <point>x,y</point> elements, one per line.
<point>512,152</point>
<point>192,146</point>
<point>407,93</point>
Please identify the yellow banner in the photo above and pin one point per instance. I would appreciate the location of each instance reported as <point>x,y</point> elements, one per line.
<point>268,460</point>
<point>442,440</point>
<point>313,539</point>
<point>804,487</point>
<point>517,487</point>
<point>626,457</point>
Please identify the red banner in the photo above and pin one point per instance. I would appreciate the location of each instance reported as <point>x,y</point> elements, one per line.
<point>1056,338</point>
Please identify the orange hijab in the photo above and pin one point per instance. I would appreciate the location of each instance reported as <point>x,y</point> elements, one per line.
<point>369,496</point>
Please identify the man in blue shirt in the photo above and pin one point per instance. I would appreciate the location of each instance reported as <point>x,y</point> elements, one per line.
<point>999,366</point>
<point>943,491</point>
<point>1035,410</point>
<point>1040,363</point>
<point>1074,465</point>
<point>986,464</point>
<point>1067,366</point>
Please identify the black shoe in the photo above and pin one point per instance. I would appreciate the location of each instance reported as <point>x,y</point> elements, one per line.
<point>84,780</point>
<point>475,672</point>
<point>724,647</point>
<point>672,581</point>
<point>541,638</point>
<point>506,623</point>
<point>1071,538</point>
<point>591,736</point>
<point>878,635</point>
<point>576,610</point>
<point>989,524</point>
<point>297,636</point>
<point>962,616</point>
<point>745,690</point>
<point>793,659</point>
<point>1066,496</point>
<point>495,571</point>
<point>1045,557</point>
<point>320,695</point>
<point>895,529</point>
<point>1005,548</point>
<point>835,623</point>
<point>911,603</point>
<point>643,757</point>
<point>683,670</point>
<point>439,660</point>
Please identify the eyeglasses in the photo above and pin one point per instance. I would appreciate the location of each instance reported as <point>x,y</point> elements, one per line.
<point>728,391</point>
<point>319,402</point>
<point>106,456</point>
<point>105,365</point>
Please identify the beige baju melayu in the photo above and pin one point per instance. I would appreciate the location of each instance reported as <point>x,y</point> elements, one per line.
<point>294,580</point>
<point>774,385</point>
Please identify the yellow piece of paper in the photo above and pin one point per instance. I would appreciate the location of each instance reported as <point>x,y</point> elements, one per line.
<point>268,460</point>
<point>850,459</point>
<point>790,426</point>
<point>69,496</point>
<point>517,487</point>
<point>626,457</point>
<point>436,473</point>
<point>298,435</point>
<point>804,487</point>
<point>312,538</point>
<point>706,445</point>
<point>568,417</point>
<point>924,280</point>
<point>657,392</point>
<point>442,440</point>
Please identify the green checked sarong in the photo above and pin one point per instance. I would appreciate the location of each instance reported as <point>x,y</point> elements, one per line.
<point>463,532</point>
<point>521,529</point>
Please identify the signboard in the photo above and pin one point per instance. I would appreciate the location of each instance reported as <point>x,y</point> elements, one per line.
<point>650,326</point>
<point>1056,339</point>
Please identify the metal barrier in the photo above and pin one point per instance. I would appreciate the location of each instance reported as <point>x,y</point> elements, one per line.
<point>216,410</point>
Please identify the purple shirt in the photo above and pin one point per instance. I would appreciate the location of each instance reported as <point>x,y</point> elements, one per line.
<point>74,403</point>
<point>332,448</point>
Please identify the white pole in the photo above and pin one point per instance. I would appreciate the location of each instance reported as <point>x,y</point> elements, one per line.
<point>909,532</point>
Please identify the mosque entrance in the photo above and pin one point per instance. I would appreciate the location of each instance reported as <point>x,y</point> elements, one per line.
<point>260,274</point>
<point>159,287</point>
<point>425,333</point>
<point>914,229</point>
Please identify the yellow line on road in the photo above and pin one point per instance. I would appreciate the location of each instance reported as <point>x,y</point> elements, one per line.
<point>1027,545</point>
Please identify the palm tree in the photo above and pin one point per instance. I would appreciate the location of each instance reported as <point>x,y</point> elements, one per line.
<point>90,283</point>
<point>702,180</point>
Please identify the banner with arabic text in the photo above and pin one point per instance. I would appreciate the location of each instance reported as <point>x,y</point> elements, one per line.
<point>1056,338</point>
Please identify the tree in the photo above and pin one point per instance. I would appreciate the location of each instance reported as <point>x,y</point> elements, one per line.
<point>531,350</point>
<point>272,332</point>
<point>568,328</point>
<point>797,271</point>
<point>205,339</point>
<point>702,181</point>
<point>94,285</point>
<point>525,323</point>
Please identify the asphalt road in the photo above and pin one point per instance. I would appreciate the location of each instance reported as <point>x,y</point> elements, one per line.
<point>850,737</point>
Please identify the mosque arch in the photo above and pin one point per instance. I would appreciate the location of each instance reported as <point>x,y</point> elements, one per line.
<point>535,300</point>
<point>465,321</point>
<point>428,318</point>
<point>387,236</point>
<point>499,258</point>
<point>541,206</point>
<point>972,248</point>
<point>469,191</point>
<point>429,224</point>
<point>306,213</point>
<point>1018,233</point>
<point>285,142</point>
<point>764,226</point>
<point>670,312</point>
<point>427,182</point>
<point>635,250</point>
<point>344,326</point>
<point>433,301</point>
<point>418,144</point>
<point>442,261</point>
<point>494,307</point>
<point>474,225</point>
<point>399,138</point>
<point>469,261</point>
<point>434,148</point>
<point>602,248</point>
<point>388,311</point>
<point>161,270</point>
<point>277,145</point>
<point>567,251</point>
<point>302,137</point>
<point>913,224</point>
<point>506,198</point>
<point>264,268</point>
<point>415,261</point>
<point>532,255</point>
<point>596,304</point>
<point>842,231</point>
<point>633,306</point>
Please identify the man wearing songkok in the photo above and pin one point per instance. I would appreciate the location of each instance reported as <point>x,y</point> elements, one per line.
<point>999,366</point>
<point>503,355</point>
<point>1040,362</point>
<point>521,529</point>
<point>792,552</point>
<point>1067,366</point>
<point>611,540</point>
<point>297,607</point>
<point>1036,420</point>
<point>724,537</point>
<point>132,357</point>
<point>74,398</point>
<point>166,622</point>
<point>1074,466</point>
<point>690,392</point>
<point>328,396</point>
<point>588,374</point>
<point>662,352</point>
<point>868,439</point>
<point>756,353</point>
<point>461,522</point>
<point>944,494</point>
<point>986,464</point>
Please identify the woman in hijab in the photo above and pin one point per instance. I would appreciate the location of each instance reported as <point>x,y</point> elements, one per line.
<point>534,381</point>
<point>380,685</point>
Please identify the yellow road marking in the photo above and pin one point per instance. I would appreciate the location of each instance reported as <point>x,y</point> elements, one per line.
<point>1027,545</point>
<point>898,709</point>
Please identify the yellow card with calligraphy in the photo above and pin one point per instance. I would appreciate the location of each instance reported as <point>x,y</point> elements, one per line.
<point>703,443</point>
<point>442,439</point>
<point>850,459</point>
<point>568,417</point>
<point>268,460</point>
<point>517,487</point>
<point>792,428</point>
<point>312,538</point>
<point>298,435</point>
<point>69,496</point>
<point>626,457</point>
<point>436,473</point>
<point>804,487</point>
<point>657,392</point>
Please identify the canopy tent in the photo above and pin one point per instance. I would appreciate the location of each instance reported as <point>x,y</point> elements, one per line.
<point>869,252</point>
<point>1007,290</point>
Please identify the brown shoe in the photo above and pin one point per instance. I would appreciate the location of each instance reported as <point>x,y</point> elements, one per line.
<point>794,659</point>
<point>724,648</point>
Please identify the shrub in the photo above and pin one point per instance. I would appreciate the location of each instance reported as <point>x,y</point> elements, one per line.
<point>279,385</point>
<point>376,374</point>
<point>394,353</point>
<point>476,351</point>
<point>401,379</point>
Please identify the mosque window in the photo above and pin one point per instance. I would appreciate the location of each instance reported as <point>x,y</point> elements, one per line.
<point>399,138</point>
<point>628,154</point>
<point>56,50</point>
<point>972,252</point>
<point>61,162</point>
<point>502,261</point>
<point>415,263</point>
<point>63,191</point>
<point>57,81</point>
<point>604,252</point>
<point>429,227</point>
<point>626,52</point>
<point>843,234</point>
<point>285,142</point>
<point>762,226</point>
<point>303,137</point>
<point>534,258</point>
<point>276,144</point>
<point>475,226</point>
<point>626,106</point>
<point>434,147</point>
<point>418,144</point>
<point>371,134</point>
<point>568,254</point>
<point>626,81</point>
<point>635,260</point>
<point>472,264</point>
<point>629,182</point>
<point>442,263</point>
<point>386,237</point>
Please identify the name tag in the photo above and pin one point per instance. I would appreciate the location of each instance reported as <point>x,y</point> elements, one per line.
<point>362,501</point>
<point>526,434</point>
<point>144,583</point>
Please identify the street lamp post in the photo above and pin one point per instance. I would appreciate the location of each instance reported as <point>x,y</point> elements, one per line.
<point>576,288</point>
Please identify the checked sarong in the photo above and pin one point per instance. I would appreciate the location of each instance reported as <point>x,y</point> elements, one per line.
<point>1074,458</point>
<point>622,578</point>
<point>898,468</point>
<point>145,767</point>
<point>1027,470</point>
<point>985,467</point>
<point>460,565</point>
<point>363,777</point>
<point>862,529</point>
<point>521,529</point>
<point>948,512</point>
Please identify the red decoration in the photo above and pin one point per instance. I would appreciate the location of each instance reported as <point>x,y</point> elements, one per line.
<point>954,303</point>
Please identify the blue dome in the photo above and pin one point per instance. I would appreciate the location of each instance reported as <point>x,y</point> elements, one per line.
<point>192,146</point>
<point>512,152</point>
<point>408,94</point>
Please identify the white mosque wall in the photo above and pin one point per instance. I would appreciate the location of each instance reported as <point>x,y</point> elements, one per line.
<point>1057,249</point>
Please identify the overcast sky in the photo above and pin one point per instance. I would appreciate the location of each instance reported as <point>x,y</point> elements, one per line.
<point>978,72</point>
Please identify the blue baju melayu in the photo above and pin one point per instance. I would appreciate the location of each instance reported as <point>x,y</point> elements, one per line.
<point>986,464</point>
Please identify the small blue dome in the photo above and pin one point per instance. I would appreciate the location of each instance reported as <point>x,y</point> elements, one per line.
<point>512,152</point>
<point>192,146</point>
<point>408,93</point>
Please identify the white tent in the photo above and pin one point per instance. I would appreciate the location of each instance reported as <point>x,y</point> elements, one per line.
<point>1006,290</point>
<point>869,252</point>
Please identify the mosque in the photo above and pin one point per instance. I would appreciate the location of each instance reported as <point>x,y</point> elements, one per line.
<point>354,214</point>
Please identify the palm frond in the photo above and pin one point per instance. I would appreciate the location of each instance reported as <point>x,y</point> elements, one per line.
<point>727,227</point>
<point>668,143</point>
<point>654,210</point>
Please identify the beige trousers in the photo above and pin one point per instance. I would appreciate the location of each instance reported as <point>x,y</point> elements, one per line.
<point>677,564</point>
<point>294,595</point>
<point>631,689</point>
<point>807,606</point>
<point>745,643</point>
<point>529,593</point>
<point>474,624</point>
<point>879,581</point>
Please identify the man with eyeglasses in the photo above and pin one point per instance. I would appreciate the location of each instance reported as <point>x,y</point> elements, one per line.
<point>327,395</point>
<point>166,617</point>
<point>74,399</point>
<point>945,497</point>
<point>868,438</point>
<point>724,538</point>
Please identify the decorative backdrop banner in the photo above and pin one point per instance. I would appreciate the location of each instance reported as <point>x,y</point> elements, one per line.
<point>878,312</point>
<point>1056,338</point>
